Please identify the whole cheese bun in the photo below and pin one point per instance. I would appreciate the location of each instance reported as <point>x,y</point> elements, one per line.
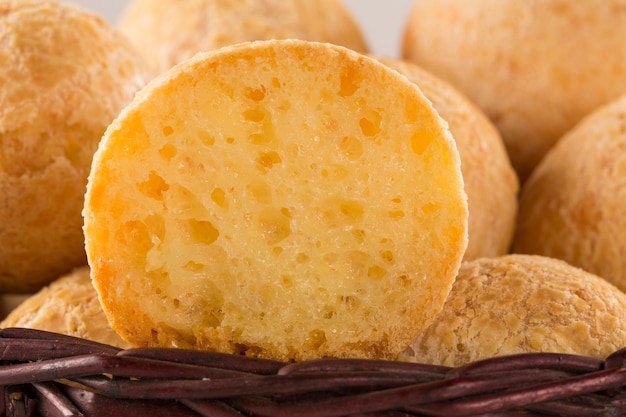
<point>522,304</point>
<point>170,31</point>
<point>65,75</point>
<point>572,206</point>
<point>491,183</point>
<point>524,62</point>
<point>69,305</point>
<point>280,199</point>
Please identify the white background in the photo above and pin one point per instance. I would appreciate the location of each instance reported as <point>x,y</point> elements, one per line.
<point>382,21</point>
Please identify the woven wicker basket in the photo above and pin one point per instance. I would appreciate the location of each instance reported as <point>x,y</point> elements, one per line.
<point>48,374</point>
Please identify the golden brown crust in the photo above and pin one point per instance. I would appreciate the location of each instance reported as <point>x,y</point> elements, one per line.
<point>68,306</point>
<point>491,183</point>
<point>65,75</point>
<point>523,303</point>
<point>283,199</point>
<point>572,207</point>
<point>524,63</point>
<point>170,31</point>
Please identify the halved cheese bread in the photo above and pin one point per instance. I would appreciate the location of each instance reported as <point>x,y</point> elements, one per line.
<point>280,199</point>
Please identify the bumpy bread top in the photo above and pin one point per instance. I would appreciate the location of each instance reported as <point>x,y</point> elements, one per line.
<point>523,303</point>
<point>572,207</point>
<point>68,306</point>
<point>284,199</point>
<point>524,62</point>
<point>65,75</point>
<point>491,183</point>
<point>169,31</point>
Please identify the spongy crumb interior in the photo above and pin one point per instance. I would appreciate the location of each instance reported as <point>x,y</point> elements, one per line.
<point>279,207</point>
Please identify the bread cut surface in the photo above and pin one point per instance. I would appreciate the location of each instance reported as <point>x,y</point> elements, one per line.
<point>281,199</point>
<point>69,305</point>
<point>520,304</point>
<point>524,63</point>
<point>490,181</point>
<point>572,206</point>
<point>65,75</point>
<point>170,31</point>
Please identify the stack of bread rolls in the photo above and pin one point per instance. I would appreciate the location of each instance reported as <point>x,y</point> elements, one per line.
<point>276,192</point>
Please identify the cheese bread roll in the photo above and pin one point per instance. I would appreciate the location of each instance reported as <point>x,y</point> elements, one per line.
<point>280,199</point>
<point>572,206</point>
<point>64,76</point>
<point>521,304</point>
<point>70,306</point>
<point>536,67</point>
<point>170,31</point>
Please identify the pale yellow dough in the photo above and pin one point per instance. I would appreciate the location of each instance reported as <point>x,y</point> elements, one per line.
<point>281,199</point>
<point>521,304</point>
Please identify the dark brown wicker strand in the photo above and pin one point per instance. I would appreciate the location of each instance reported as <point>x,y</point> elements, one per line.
<point>586,406</point>
<point>33,334</point>
<point>46,374</point>
<point>341,365</point>
<point>266,385</point>
<point>53,401</point>
<point>211,359</point>
<point>414,398</point>
<point>568,363</point>
<point>22,350</point>
<point>95,405</point>
<point>213,408</point>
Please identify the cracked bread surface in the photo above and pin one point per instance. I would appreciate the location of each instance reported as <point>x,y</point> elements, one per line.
<point>65,75</point>
<point>523,303</point>
<point>69,305</point>
<point>279,199</point>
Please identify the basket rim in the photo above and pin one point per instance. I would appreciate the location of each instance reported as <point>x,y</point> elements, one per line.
<point>43,371</point>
